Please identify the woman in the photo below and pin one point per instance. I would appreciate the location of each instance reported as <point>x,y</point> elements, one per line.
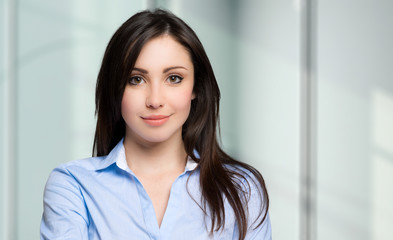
<point>158,171</point>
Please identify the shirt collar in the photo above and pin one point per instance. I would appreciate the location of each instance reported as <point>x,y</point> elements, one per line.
<point>118,156</point>
<point>115,155</point>
<point>191,164</point>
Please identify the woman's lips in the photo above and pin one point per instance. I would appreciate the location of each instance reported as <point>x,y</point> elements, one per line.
<point>156,120</point>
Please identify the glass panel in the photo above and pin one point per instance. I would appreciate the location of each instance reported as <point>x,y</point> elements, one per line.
<point>355,116</point>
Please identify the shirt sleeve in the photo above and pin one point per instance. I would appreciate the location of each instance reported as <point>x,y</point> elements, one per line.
<point>65,214</point>
<point>255,201</point>
<point>263,232</point>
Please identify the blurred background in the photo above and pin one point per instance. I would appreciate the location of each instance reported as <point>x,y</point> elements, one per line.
<point>307,98</point>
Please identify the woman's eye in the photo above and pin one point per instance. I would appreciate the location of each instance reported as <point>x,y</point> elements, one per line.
<point>174,79</point>
<point>135,80</point>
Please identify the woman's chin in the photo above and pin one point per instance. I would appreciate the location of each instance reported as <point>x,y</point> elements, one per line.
<point>156,139</point>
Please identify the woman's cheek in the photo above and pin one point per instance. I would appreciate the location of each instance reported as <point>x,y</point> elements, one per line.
<point>184,100</point>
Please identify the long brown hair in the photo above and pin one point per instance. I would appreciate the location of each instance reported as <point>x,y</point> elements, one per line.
<point>221,177</point>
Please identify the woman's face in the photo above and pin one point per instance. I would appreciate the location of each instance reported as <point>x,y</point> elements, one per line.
<point>157,98</point>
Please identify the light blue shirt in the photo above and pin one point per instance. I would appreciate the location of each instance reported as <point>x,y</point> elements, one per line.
<point>101,198</point>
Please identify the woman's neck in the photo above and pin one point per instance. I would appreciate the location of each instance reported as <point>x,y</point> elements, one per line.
<point>155,158</point>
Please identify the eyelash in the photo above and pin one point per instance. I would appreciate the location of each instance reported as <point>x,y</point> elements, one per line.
<point>177,78</point>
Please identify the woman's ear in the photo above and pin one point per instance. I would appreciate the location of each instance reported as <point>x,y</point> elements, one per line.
<point>193,96</point>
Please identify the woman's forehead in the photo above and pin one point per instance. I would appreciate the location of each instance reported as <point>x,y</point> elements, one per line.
<point>163,51</point>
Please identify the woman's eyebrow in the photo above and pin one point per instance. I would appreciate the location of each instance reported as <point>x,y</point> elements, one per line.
<point>174,67</point>
<point>165,70</point>
<point>140,70</point>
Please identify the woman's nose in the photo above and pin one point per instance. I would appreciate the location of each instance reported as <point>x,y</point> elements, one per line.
<point>154,98</point>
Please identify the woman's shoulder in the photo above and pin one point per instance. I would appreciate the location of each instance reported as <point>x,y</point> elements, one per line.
<point>90,163</point>
<point>70,171</point>
<point>95,163</point>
